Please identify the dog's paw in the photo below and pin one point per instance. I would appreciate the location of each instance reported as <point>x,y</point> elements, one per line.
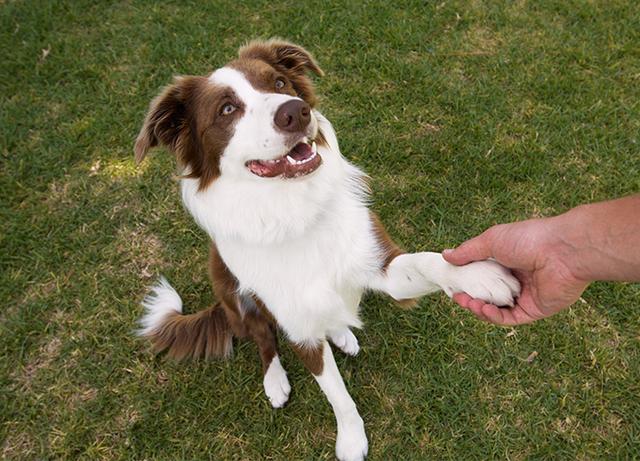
<point>351,442</point>
<point>276,384</point>
<point>486,280</point>
<point>346,341</point>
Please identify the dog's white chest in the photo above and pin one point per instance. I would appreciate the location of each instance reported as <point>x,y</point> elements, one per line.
<point>312,285</point>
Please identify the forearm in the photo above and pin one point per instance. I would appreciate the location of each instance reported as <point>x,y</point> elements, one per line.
<point>602,240</point>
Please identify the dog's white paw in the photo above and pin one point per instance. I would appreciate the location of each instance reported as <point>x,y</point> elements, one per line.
<point>351,442</point>
<point>346,341</point>
<point>276,384</point>
<point>486,280</point>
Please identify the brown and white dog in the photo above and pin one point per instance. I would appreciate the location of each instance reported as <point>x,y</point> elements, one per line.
<point>293,244</point>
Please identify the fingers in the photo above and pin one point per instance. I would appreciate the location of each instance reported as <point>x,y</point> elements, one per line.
<point>473,305</point>
<point>462,299</point>
<point>476,249</point>
<point>493,314</point>
<point>503,316</point>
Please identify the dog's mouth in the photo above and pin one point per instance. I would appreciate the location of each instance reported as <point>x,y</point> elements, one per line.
<point>299,161</point>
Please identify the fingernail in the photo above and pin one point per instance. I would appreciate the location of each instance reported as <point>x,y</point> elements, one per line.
<point>447,251</point>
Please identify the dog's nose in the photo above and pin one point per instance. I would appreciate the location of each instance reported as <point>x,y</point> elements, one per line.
<point>293,116</point>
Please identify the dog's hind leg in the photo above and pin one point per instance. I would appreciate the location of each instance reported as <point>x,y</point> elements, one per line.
<point>351,441</point>
<point>261,328</point>
<point>249,317</point>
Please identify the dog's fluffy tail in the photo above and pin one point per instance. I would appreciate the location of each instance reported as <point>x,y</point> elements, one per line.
<point>203,334</point>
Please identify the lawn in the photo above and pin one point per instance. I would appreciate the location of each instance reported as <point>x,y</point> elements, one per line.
<point>465,114</point>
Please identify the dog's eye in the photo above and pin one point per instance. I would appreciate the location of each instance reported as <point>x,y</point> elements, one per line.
<point>228,109</point>
<point>280,83</point>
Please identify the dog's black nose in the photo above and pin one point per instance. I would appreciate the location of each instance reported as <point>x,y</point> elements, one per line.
<point>293,116</point>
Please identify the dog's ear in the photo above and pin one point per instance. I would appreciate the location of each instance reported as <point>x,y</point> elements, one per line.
<point>166,122</point>
<point>281,54</point>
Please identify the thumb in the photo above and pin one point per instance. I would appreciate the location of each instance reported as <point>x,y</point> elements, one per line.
<point>476,249</point>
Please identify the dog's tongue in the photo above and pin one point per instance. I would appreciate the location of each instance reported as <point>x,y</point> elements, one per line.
<point>301,151</point>
<point>267,169</point>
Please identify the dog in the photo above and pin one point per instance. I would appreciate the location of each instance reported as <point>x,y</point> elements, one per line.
<point>293,243</point>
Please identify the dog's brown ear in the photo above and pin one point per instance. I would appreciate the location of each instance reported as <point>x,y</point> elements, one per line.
<point>166,121</point>
<point>281,54</point>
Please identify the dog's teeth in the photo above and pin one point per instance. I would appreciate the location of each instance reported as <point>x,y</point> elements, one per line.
<point>291,160</point>
<point>314,147</point>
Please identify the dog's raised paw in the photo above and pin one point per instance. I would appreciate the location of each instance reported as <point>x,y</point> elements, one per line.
<point>346,341</point>
<point>276,384</point>
<point>486,280</point>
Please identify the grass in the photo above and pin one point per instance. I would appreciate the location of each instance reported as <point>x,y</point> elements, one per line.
<point>465,114</point>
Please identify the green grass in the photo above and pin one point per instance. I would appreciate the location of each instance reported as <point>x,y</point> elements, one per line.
<point>464,113</point>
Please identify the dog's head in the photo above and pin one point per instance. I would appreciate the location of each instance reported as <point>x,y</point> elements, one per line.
<point>251,119</point>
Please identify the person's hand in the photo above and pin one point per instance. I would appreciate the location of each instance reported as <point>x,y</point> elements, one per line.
<point>538,257</point>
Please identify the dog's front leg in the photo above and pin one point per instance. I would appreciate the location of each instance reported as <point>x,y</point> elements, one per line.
<point>416,274</point>
<point>351,441</point>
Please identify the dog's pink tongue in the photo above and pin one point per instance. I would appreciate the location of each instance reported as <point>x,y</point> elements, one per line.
<point>301,151</point>
<point>266,169</point>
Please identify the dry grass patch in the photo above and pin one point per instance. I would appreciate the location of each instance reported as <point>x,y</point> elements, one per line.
<point>43,360</point>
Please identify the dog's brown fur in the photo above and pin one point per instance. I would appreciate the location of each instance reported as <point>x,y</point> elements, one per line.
<point>203,334</point>
<point>289,59</point>
<point>311,357</point>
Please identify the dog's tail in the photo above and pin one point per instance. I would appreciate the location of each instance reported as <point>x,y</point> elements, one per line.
<point>203,334</point>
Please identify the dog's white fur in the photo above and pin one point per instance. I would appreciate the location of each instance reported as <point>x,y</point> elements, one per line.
<point>276,384</point>
<point>162,301</point>
<point>307,248</point>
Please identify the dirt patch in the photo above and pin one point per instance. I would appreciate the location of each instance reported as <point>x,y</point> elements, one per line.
<point>83,395</point>
<point>481,41</point>
<point>569,426</point>
<point>142,250</point>
<point>18,445</point>
<point>43,360</point>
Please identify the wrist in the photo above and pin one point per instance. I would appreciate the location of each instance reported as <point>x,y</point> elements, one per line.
<point>570,232</point>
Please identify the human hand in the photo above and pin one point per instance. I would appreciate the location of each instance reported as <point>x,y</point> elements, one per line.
<point>538,256</point>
